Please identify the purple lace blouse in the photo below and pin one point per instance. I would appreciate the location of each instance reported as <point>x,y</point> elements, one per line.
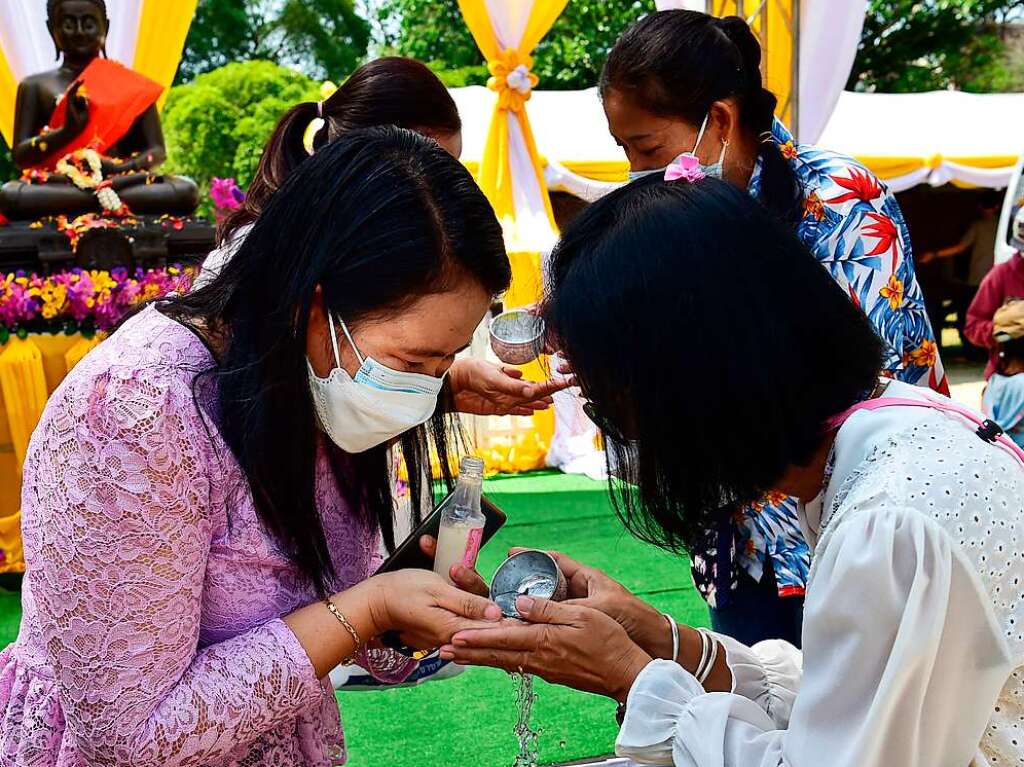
<point>152,634</point>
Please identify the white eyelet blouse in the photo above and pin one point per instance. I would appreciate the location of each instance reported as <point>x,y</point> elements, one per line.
<point>913,628</point>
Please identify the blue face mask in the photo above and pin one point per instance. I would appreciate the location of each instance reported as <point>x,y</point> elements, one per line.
<point>715,170</point>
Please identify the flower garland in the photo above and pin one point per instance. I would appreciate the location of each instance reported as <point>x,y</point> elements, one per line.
<point>84,167</point>
<point>80,300</point>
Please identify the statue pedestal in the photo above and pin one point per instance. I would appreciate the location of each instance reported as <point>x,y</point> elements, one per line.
<point>93,242</point>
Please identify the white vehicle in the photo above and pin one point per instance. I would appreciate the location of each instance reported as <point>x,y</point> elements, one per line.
<point>1014,202</point>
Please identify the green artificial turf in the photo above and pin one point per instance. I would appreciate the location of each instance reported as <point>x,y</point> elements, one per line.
<point>468,720</point>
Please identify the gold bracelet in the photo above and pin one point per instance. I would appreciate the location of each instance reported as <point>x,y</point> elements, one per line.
<point>351,630</point>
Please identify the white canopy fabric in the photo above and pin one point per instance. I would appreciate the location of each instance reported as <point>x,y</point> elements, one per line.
<point>936,138</point>
<point>905,139</point>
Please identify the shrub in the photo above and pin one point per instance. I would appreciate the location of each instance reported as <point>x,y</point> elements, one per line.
<point>217,124</point>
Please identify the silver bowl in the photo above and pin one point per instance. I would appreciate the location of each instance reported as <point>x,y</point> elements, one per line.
<point>529,573</point>
<point>517,336</point>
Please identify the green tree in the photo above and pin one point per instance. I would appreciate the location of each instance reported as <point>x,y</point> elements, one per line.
<point>570,56</point>
<point>910,45</point>
<point>217,124</point>
<point>322,38</point>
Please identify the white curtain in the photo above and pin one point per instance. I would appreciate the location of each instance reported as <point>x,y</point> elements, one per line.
<point>829,34</point>
<point>25,42</point>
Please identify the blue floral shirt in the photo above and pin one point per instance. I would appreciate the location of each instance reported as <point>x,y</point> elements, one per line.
<point>853,226</point>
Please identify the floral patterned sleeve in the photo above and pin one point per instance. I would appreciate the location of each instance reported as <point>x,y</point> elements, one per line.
<point>117,533</point>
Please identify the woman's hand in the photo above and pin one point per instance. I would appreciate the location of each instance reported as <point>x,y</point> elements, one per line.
<point>424,609</point>
<point>483,388</point>
<point>566,644</point>
<point>589,587</point>
<point>466,578</point>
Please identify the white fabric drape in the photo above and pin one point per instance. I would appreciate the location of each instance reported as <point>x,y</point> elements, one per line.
<point>829,35</point>
<point>25,41</point>
<point>533,231</point>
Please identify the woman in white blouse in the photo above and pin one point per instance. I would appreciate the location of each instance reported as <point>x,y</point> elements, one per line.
<point>662,294</point>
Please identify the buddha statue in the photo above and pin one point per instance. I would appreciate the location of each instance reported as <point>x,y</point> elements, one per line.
<point>104,113</point>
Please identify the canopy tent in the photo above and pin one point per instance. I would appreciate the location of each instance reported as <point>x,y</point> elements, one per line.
<point>936,138</point>
<point>906,139</point>
<point>146,35</point>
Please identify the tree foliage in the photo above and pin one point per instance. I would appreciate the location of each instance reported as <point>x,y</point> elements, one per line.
<point>570,56</point>
<point>915,45</point>
<point>322,38</point>
<point>217,124</point>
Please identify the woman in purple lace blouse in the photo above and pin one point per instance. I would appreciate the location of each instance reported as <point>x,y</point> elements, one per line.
<point>205,493</point>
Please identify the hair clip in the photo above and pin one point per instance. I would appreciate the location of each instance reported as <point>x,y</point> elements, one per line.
<point>767,137</point>
<point>320,109</point>
<point>685,167</point>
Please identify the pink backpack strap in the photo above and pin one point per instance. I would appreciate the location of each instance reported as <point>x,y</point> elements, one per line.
<point>987,430</point>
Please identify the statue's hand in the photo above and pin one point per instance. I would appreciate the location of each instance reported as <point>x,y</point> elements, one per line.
<point>77,111</point>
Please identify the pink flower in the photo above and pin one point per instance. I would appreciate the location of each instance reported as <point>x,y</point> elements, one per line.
<point>225,193</point>
<point>686,167</point>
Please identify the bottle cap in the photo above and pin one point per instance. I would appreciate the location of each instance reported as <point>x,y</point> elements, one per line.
<point>471,466</point>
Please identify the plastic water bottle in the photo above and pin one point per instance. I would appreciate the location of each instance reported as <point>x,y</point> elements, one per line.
<point>462,522</point>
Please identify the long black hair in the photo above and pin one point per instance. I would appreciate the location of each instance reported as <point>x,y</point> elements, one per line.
<point>386,91</point>
<point>376,218</point>
<point>699,324</point>
<point>679,63</point>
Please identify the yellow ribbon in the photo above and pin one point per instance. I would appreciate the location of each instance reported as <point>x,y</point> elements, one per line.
<point>512,79</point>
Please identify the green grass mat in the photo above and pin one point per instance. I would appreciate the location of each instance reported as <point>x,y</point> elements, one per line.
<point>468,720</point>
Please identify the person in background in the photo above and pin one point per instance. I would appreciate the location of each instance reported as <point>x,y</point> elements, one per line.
<point>206,492</point>
<point>1004,283</point>
<point>387,91</point>
<point>1004,395</point>
<point>980,242</point>
<point>686,82</point>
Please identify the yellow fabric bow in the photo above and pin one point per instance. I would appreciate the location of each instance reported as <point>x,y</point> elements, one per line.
<point>512,79</point>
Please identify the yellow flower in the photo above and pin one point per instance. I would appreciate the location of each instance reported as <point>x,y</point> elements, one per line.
<point>788,150</point>
<point>893,291</point>
<point>512,79</point>
<point>925,355</point>
<point>814,207</point>
<point>54,297</point>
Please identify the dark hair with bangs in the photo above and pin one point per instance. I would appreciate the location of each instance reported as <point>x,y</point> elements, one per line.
<point>699,325</point>
<point>376,218</point>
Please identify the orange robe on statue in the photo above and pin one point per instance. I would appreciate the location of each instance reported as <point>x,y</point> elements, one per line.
<point>117,97</point>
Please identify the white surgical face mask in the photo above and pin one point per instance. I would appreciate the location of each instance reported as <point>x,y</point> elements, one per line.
<point>715,170</point>
<point>374,407</point>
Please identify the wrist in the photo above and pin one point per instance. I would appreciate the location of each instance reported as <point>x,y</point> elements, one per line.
<point>360,606</point>
<point>374,592</point>
<point>629,669</point>
<point>653,633</point>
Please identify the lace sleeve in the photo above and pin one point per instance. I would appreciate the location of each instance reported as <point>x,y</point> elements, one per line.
<point>119,529</point>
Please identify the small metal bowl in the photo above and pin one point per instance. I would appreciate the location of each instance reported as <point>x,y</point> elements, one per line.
<point>528,573</point>
<point>517,336</point>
